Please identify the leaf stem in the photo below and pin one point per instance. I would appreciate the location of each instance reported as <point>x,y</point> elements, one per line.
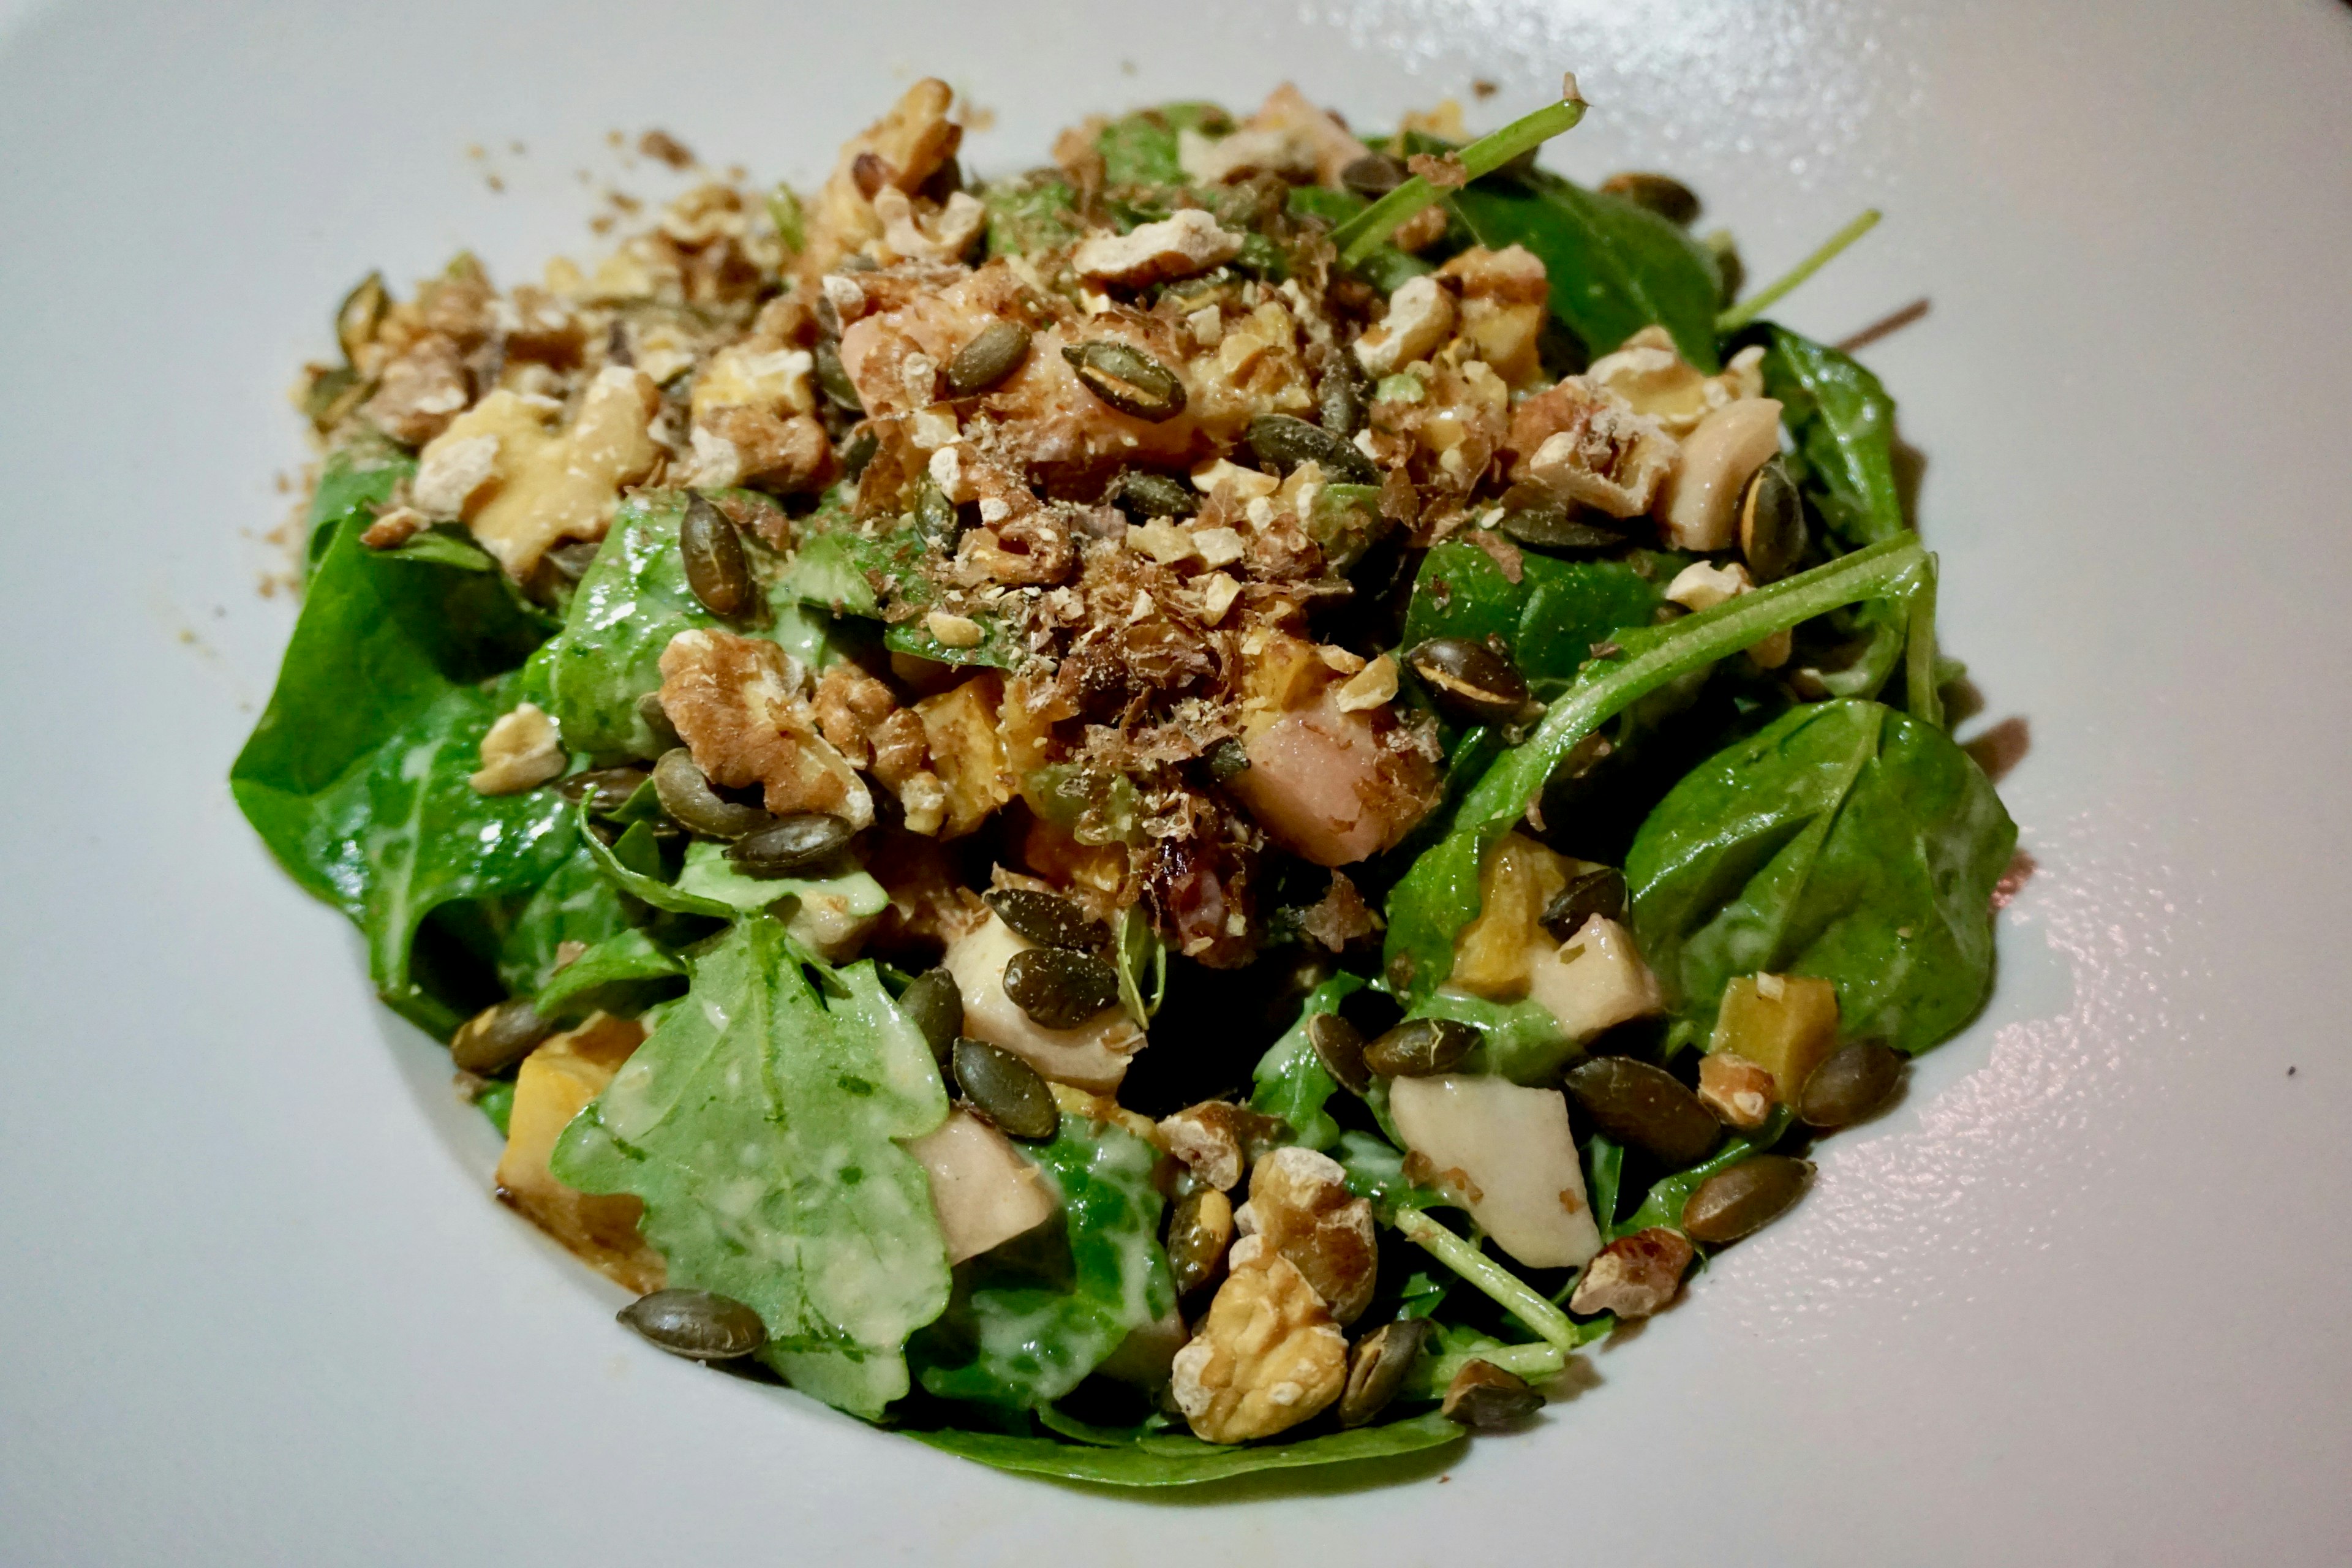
<point>1506,1288</point>
<point>1363,233</point>
<point>1756,304</point>
<point>1919,650</point>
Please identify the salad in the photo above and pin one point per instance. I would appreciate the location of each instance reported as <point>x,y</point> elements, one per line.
<point>1188,812</point>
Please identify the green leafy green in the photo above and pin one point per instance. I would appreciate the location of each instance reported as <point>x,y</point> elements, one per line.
<point>1174,1459</point>
<point>1375,1169</point>
<point>1439,894</point>
<point>847,572</point>
<point>1842,423</point>
<point>709,876</point>
<point>496,1101</point>
<point>1843,840</point>
<point>356,776</point>
<point>577,903</point>
<point>1518,1040</point>
<point>1614,268</point>
<point>1358,236</point>
<point>1664,1206</point>
<point>761,1123</point>
<point>1016,1337</point>
<point>623,973</point>
<point>1550,617</point>
<point>1140,148</point>
<point>1289,1079</point>
<point>1604,1174</point>
<point>1030,213</point>
<point>631,600</point>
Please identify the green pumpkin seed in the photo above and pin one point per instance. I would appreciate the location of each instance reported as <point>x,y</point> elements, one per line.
<point>1374,174</point>
<point>495,1038</point>
<point>1059,988</point>
<point>332,394</point>
<point>1647,1107</point>
<point>1283,443</point>
<point>797,843</point>
<point>1376,1368</point>
<point>1339,1047</point>
<point>858,453</point>
<point>686,795</point>
<point>697,1325</point>
<point>832,379</point>
<point>360,312</point>
<point>988,359</point>
<point>1469,681</point>
<point>1562,528</point>
<point>933,1002</point>
<point>1339,397</point>
<point>655,719</point>
<point>1143,495</point>
<point>1228,760</point>
<point>1200,1228</point>
<point>1005,1089</point>
<point>606,790</point>
<point>716,567</point>
<point>1771,523</point>
<point>1855,1082</point>
<point>1661,194</point>
<point>1047,919</point>
<point>1421,1047</point>
<point>1126,378</point>
<point>1485,1398</point>
<point>1746,1198</point>
<point>1599,891</point>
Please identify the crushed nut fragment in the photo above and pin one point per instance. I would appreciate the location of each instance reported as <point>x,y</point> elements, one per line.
<point>1265,1358</point>
<point>1635,1276</point>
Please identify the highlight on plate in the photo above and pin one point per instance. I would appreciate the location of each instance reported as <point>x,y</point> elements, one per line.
<point>1185,812</point>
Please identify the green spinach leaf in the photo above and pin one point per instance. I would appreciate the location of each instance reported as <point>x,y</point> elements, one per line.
<point>1664,1206</point>
<point>761,1124</point>
<point>1550,617</point>
<point>1030,213</point>
<point>1842,423</point>
<point>1176,1459</point>
<point>576,903</point>
<point>1843,840</point>
<point>1014,1338</point>
<point>1289,1079</point>
<point>631,600</point>
<point>1140,148</point>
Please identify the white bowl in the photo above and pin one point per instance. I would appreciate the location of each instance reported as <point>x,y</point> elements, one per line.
<point>2082,1298</point>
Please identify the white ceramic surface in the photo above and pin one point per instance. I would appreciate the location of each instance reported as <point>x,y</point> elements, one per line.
<point>2083,1299</point>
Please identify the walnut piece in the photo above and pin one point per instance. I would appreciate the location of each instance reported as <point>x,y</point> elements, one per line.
<point>423,388</point>
<point>1216,1138</point>
<point>1191,241</point>
<point>1420,317</point>
<point>849,705</point>
<point>1299,1206</point>
<point>736,703</point>
<point>1740,1092</point>
<point>1635,1276</point>
<point>1266,1357</point>
<point>523,750</point>
<point>1601,453</point>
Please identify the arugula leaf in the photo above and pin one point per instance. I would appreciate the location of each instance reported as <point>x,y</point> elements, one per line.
<point>356,776</point>
<point>1843,840</point>
<point>1290,1079</point>
<point>1014,1338</point>
<point>1550,617</point>
<point>1439,894</point>
<point>709,876</point>
<point>1614,268</point>
<point>619,974</point>
<point>1175,1459</point>
<point>1843,423</point>
<point>1375,1170</point>
<point>761,1123</point>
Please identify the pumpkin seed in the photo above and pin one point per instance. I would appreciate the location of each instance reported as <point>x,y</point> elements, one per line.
<point>1853,1082</point>
<point>795,843</point>
<point>697,1323</point>
<point>1126,378</point>
<point>1283,443</point>
<point>988,359</point>
<point>1771,523</point>
<point>1339,1047</point>
<point>357,317</point>
<point>1599,891</point>
<point>656,717</point>
<point>1421,1047</point>
<point>1374,174</point>
<point>686,795</point>
<point>1746,1198</point>
<point>1376,1368</point>
<point>1470,680</point>
<point>1143,495</point>
<point>1047,919</point>
<point>716,568</point>
<point>1636,1103</point>
<point>1059,988</point>
<point>1228,760</point>
<point>495,1038</point>
<point>1339,397</point>
<point>1005,1089</point>
<point>858,453</point>
<point>606,790</point>
<point>1484,1398</point>
<point>1661,194</point>
<point>1553,527</point>
<point>832,379</point>
<point>1200,1228</point>
<point>933,1002</point>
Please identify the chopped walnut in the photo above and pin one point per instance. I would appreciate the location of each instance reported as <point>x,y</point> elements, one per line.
<point>1600,453</point>
<point>1635,1276</point>
<point>1300,1207</point>
<point>1266,1357</point>
<point>1419,316</point>
<point>1741,1093</point>
<point>1177,247</point>
<point>522,751</point>
<point>393,527</point>
<point>423,388</point>
<point>900,748</point>
<point>1650,374</point>
<point>849,704</point>
<point>736,703</point>
<point>1216,1138</point>
<point>943,235</point>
